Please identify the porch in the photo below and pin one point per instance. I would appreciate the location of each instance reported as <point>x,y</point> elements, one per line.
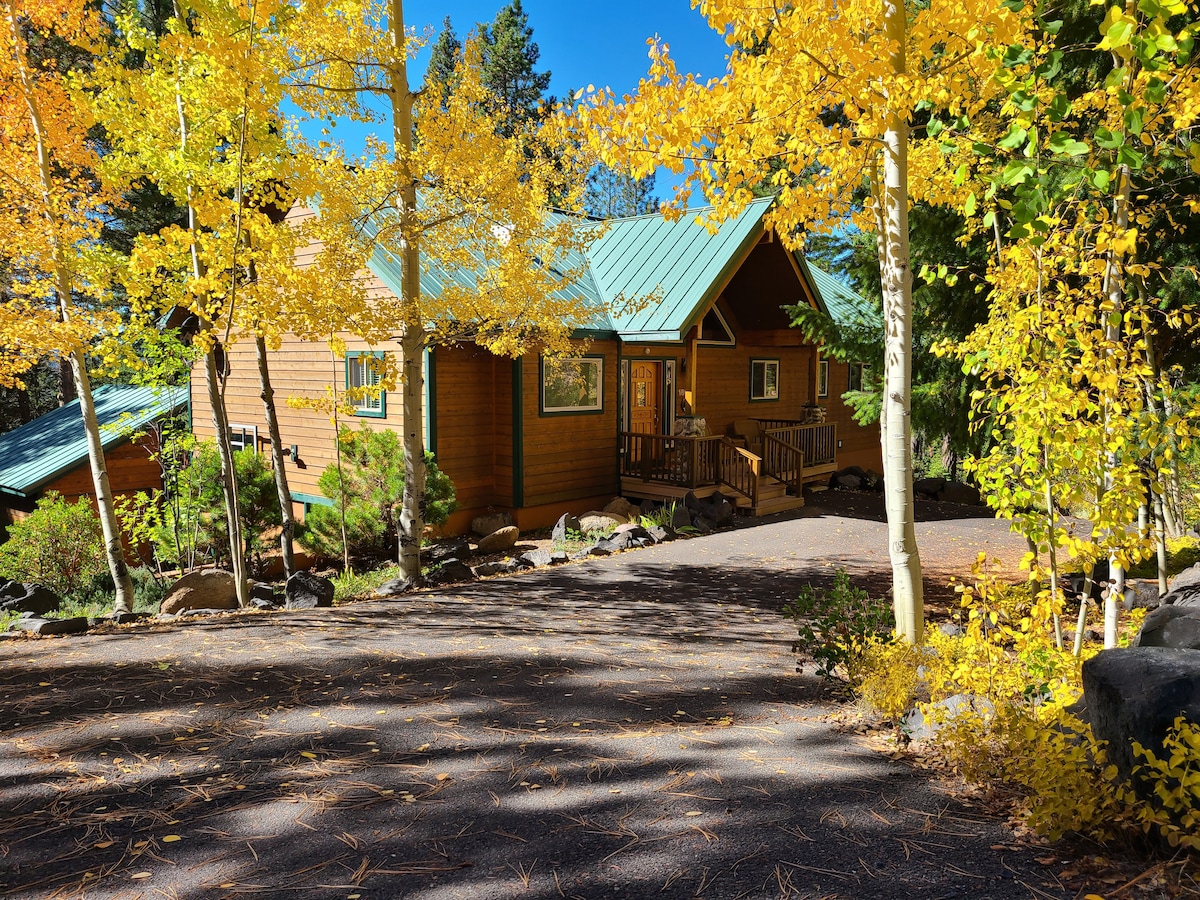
<point>763,478</point>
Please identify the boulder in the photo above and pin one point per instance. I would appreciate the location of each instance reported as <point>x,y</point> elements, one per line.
<point>459,548</point>
<point>1141,595</point>
<point>956,492</point>
<point>1175,626</point>
<point>660,534</point>
<point>929,487</point>
<point>691,501</point>
<point>209,589</point>
<point>922,724</point>
<point>263,596</point>
<point>704,525</point>
<point>566,523</point>
<point>849,482</point>
<point>485,525</point>
<point>534,558</point>
<point>485,570</point>
<point>499,540</point>
<point>305,590</point>
<point>122,618</point>
<point>451,571</point>
<point>28,597</point>
<point>599,521</point>
<point>681,518</point>
<point>1185,588</point>
<point>37,625</point>
<point>623,508</point>
<point>648,507</point>
<point>952,629</point>
<point>392,588</point>
<point>603,548</point>
<point>558,557</point>
<point>1136,694</point>
<point>719,510</point>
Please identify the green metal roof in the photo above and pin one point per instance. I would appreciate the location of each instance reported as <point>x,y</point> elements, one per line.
<point>681,261</point>
<point>51,445</point>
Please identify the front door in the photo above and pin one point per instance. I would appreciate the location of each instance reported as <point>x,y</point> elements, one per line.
<point>645,397</point>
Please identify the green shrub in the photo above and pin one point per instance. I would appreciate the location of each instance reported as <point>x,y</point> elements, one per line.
<point>837,627</point>
<point>373,488</point>
<point>59,544</point>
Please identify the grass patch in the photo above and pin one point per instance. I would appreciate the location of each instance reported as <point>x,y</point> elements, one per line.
<point>348,586</point>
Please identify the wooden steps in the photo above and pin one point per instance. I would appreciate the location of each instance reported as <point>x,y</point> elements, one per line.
<point>772,495</point>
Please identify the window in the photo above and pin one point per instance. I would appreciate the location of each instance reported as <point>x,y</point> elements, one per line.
<point>857,373</point>
<point>243,437</point>
<point>362,371</point>
<point>823,378</point>
<point>764,379</point>
<point>573,384</point>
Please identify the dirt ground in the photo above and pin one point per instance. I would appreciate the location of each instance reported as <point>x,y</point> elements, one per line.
<point>632,726</point>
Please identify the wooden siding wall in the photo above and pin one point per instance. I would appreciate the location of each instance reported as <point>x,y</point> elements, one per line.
<point>860,445</point>
<point>570,456</point>
<point>130,469</point>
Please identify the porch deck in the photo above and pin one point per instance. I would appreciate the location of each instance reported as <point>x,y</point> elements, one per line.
<point>664,467</point>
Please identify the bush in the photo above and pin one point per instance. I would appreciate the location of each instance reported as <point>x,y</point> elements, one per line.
<point>59,544</point>
<point>836,628</point>
<point>373,488</point>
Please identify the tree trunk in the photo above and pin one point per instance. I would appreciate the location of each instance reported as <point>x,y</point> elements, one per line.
<point>412,328</point>
<point>233,517</point>
<point>896,277</point>
<point>278,460</point>
<point>80,383</point>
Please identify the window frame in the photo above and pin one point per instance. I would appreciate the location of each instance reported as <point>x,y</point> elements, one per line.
<point>598,409</point>
<point>861,369</point>
<point>367,411</point>
<point>823,379</point>
<point>244,432</point>
<point>765,362</point>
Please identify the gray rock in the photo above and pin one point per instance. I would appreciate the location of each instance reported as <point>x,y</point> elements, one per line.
<point>460,549</point>
<point>485,570</point>
<point>599,521</point>
<point>659,534</point>
<point>1174,626</point>
<point>209,589</point>
<point>682,517</point>
<point>703,525</point>
<point>393,588</point>
<point>451,571</point>
<point>500,540</point>
<point>28,597</point>
<point>304,590</point>
<point>263,596</point>
<point>951,629</point>
<point>849,482</point>
<point>1136,695</point>
<point>37,625</point>
<point>602,548</point>
<point>535,558</point>
<point>648,507</point>
<point>929,487</point>
<point>964,494</point>
<point>558,557</point>
<point>585,553</point>
<point>1185,588</point>
<point>566,523</point>
<point>921,725</point>
<point>122,618</point>
<point>485,525</point>
<point>196,612</point>
<point>1141,595</point>
<point>691,501</point>
<point>623,508</point>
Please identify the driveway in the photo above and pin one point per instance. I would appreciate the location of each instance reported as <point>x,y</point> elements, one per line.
<point>627,727</point>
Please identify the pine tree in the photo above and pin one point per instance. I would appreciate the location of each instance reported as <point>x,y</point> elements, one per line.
<point>509,57</point>
<point>439,77</point>
<point>612,193</point>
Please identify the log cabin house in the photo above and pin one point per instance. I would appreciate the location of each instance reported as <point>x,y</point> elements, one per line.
<point>708,389</point>
<point>50,453</point>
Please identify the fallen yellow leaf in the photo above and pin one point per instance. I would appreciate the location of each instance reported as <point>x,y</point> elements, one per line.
<point>170,838</point>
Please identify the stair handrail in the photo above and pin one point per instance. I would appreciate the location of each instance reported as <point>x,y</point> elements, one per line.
<point>739,469</point>
<point>791,460</point>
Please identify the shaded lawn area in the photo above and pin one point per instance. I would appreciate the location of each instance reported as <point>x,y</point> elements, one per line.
<point>623,728</point>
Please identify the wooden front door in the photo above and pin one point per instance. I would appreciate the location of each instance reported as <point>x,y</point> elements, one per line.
<point>645,397</point>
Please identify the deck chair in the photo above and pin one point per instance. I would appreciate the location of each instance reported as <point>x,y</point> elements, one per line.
<point>750,432</point>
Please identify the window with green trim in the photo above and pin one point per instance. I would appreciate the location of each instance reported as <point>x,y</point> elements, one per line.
<point>823,378</point>
<point>857,376</point>
<point>363,373</point>
<point>573,384</point>
<point>764,379</point>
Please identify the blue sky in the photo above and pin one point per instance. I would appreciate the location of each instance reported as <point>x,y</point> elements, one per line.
<point>581,44</point>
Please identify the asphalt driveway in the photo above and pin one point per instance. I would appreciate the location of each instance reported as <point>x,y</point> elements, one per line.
<point>627,727</point>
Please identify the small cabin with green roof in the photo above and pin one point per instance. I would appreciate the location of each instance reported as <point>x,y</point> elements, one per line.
<point>706,389</point>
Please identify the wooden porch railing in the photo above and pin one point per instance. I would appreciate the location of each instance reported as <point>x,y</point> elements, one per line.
<point>783,462</point>
<point>685,461</point>
<point>818,442</point>
<point>739,469</point>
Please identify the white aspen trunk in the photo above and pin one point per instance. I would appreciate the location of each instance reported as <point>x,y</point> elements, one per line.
<point>412,328</point>
<point>1160,543</point>
<point>278,460</point>
<point>896,278</point>
<point>115,553</point>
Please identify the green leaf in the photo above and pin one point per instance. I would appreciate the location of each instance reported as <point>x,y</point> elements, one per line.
<point>969,205</point>
<point>1016,55</point>
<point>1053,26</point>
<point>1016,173</point>
<point>1130,157</point>
<point>1100,179</point>
<point>1065,145</point>
<point>1059,108</point>
<point>1014,139</point>
<point>1133,120</point>
<point>1107,139</point>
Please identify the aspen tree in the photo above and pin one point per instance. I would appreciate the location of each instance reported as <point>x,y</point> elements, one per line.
<point>50,211</point>
<point>817,102</point>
